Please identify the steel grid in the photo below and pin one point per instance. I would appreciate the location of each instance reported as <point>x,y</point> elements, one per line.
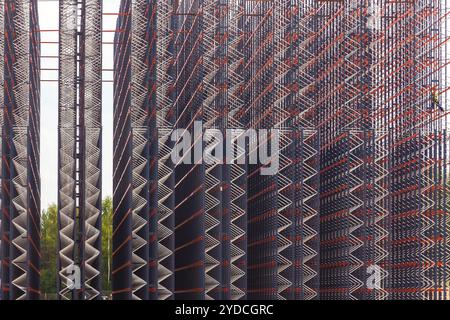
<point>79,160</point>
<point>355,90</point>
<point>20,203</point>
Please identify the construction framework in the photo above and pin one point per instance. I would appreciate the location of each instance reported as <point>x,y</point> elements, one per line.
<point>79,161</point>
<point>356,90</point>
<point>19,147</point>
<point>383,157</point>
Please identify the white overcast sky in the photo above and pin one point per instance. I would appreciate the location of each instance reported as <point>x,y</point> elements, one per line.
<point>48,19</point>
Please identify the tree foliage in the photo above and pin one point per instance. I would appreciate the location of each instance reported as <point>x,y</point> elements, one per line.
<point>107,244</point>
<point>49,249</point>
<point>49,238</point>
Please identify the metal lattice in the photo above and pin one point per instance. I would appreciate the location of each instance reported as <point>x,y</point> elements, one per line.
<point>20,204</point>
<point>355,90</point>
<point>79,176</point>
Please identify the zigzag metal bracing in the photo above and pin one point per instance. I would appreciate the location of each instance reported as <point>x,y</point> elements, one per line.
<point>297,104</point>
<point>411,225</point>
<point>306,246</point>
<point>388,84</point>
<point>238,173</point>
<point>301,216</point>
<point>356,183</point>
<point>273,36</point>
<point>20,205</point>
<point>238,227</point>
<point>428,205</point>
<point>345,187</point>
<point>166,174</point>
<point>140,203</point>
<point>90,111</point>
<point>140,145</point>
<point>147,190</point>
<point>348,83</point>
<point>213,107</point>
<point>212,222</point>
<point>235,62</point>
<point>19,120</point>
<point>19,220</point>
<point>186,97</point>
<point>67,150</point>
<point>164,56</point>
<point>302,62</point>
<point>79,176</point>
<point>165,217</point>
<point>336,204</point>
<point>122,196</point>
<point>380,232</point>
<point>285,202</point>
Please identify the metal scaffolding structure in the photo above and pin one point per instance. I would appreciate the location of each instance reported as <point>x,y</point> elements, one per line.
<point>135,215</point>
<point>383,155</point>
<point>20,125</point>
<point>357,92</point>
<point>79,162</point>
<point>194,214</point>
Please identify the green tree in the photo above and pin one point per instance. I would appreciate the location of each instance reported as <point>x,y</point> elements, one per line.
<point>49,248</point>
<point>49,235</point>
<point>107,230</point>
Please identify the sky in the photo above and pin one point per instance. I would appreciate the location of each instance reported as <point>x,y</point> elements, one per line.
<point>48,20</point>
